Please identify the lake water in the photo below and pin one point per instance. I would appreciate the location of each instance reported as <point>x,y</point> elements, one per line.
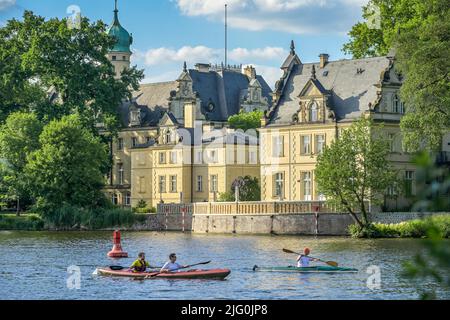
<point>43,258</point>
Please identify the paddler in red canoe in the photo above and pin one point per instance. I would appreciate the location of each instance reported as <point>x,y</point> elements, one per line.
<point>171,265</point>
<point>303,259</point>
<point>140,264</point>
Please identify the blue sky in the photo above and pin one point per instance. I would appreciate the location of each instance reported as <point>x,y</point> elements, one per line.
<point>167,32</point>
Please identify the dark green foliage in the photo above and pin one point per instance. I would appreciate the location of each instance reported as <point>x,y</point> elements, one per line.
<point>29,222</point>
<point>249,190</point>
<point>246,120</point>
<point>70,217</point>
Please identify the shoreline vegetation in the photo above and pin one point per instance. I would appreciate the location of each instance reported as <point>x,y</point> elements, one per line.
<point>72,219</point>
<point>417,228</point>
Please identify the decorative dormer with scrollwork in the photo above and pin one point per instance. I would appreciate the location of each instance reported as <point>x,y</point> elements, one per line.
<point>184,94</point>
<point>314,103</point>
<point>134,115</point>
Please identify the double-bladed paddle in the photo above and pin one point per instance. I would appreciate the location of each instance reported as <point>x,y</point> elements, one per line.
<point>188,266</point>
<point>115,268</point>
<point>330,263</point>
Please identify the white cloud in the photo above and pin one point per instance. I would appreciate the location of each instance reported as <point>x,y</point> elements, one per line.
<point>5,4</point>
<point>293,16</point>
<point>192,55</point>
<point>267,53</point>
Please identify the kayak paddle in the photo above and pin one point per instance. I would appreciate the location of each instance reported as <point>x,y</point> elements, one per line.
<point>188,266</point>
<point>115,268</point>
<point>330,263</point>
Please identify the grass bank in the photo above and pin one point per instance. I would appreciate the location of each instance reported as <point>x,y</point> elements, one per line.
<point>407,229</point>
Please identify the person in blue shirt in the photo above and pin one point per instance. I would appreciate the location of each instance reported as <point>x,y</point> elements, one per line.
<point>171,265</point>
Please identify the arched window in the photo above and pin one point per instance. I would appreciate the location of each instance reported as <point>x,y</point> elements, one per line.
<point>395,104</point>
<point>313,112</point>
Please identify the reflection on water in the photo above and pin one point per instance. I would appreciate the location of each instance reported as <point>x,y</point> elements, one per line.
<point>43,257</point>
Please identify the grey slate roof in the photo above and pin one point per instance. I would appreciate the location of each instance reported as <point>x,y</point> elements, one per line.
<point>152,100</point>
<point>224,89</point>
<point>350,92</point>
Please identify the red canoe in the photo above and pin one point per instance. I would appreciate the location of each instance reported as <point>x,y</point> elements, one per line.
<point>190,274</point>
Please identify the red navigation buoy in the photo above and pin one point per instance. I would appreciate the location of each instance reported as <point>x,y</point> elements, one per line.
<point>117,251</point>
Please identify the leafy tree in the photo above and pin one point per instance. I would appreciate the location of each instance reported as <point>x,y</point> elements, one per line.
<point>418,31</point>
<point>249,190</point>
<point>19,137</point>
<point>246,120</point>
<point>54,70</point>
<point>434,262</point>
<point>355,169</point>
<point>69,167</point>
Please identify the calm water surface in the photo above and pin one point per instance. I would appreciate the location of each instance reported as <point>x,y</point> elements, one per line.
<point>43,259</point>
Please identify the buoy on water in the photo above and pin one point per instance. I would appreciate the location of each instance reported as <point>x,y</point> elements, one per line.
<point>117,251</point>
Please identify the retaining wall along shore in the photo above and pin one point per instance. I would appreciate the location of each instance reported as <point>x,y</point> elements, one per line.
<point>291,218</point>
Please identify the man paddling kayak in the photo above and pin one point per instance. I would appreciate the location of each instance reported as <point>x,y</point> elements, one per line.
<point>140,265</point>
<point>171,265</point>
<point>303,259</point>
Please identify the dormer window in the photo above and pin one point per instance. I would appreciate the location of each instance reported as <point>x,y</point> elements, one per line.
<point>135,117</point>
<point>168,136</point>
<point>314,112</point>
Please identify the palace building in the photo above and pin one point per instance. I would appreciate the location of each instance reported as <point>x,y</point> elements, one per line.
<point>213,94</point>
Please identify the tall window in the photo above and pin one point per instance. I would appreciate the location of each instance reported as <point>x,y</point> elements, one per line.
<point>128,199</point>
<point>395,104</point>
<point>277,146</point>
<point>120,144</point>
<point>199,183</point>
<point>168,136</point>
<point>162,157</point>
<point>115,199</point>
<point>121,174</point>
<point>173,183</point>
<point>162,184</point>
<point>306,144</point>
<point>279,184</point>
<point>402,107</point>
<point>214,182</point>
<point>320,143</point>
<point>134,142</point>
<point>314,112</point>
<point>173,157</point>
<point>409,177</point>
<point>391,137</point>
<point>306,180</point>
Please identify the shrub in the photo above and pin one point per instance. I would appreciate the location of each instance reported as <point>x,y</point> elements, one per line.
<point>70,217</point>
<point>407,229</point>
<point>30,222</point>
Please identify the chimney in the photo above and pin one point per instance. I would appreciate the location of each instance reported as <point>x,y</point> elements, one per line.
<point>323,59</point>
<point>203,67</point>
<point>189,115</point>
<point>250,72</point>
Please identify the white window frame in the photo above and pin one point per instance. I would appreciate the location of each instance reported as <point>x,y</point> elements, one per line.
<point>303,144</point>
<point>314,112</point>
<point>173,157</point>
<point>307,186</point>
<point>279,184</point>
<point>199,184</point>
<point>173,184</point>
<point>162,157</point>
<point>214,183</point>
<point>121,174</point>
<point>162,184</point>
<point>320,142</point>
<point>278,146</point>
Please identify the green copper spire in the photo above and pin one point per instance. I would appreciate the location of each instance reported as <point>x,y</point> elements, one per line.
<point>124,39</point>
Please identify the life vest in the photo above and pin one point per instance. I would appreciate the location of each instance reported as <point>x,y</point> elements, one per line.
<point>142,267</point>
